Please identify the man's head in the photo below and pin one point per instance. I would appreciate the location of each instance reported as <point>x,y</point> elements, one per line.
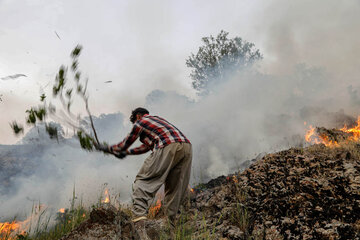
<point>137,113</point>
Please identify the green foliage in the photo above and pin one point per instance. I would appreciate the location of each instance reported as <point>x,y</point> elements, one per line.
<point>17,128</point>
<point>66,221</point>
<point>52,130</point>
<point>31,118</point>
<point>219,56</point>
<point>40,113</point>
<point>86,141</point>
<point>240,217</point>
<point>42,97</point>
<point>35,114</point>
<point>77,76</point>
<point>74,55</point>
<point>76,52</point>
<point>60,81</point>
<point>64,94</point>
<point>74,65</point>
<point>184,227</point>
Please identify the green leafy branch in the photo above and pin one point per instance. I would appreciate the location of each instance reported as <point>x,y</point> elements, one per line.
<point>63,91</point>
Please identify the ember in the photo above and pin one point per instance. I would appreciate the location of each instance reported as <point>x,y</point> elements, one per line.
<point>235,179</point>
<point>106,196</point>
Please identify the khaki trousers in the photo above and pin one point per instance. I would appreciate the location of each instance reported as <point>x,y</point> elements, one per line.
<point>171,166</point>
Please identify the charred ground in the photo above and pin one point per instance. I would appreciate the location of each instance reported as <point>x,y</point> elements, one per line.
<point>300,193</point>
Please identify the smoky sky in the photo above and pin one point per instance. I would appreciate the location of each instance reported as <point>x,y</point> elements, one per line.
<point>141,46</point>
<point>310,61</point>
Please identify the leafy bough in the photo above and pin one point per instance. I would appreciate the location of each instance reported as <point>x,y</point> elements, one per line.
<point>64,92</point>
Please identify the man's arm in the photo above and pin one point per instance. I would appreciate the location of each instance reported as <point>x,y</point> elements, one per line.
<point>130,139</point>
<point>138,150</point>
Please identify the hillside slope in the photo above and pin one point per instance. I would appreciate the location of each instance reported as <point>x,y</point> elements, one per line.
<point>300,193</point>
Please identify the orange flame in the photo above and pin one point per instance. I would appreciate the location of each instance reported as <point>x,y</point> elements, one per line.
<point>62,210</point>
<point>309,134</point>
<point>153,211</point>
<point>8,230</point>
<point>107,196</point>
<point>355,131</point>
<point>312,137</point>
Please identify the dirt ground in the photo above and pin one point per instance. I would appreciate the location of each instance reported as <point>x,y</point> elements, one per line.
<point>300,193</point>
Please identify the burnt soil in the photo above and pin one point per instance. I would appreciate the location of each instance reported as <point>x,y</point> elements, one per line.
<point>300,193</point>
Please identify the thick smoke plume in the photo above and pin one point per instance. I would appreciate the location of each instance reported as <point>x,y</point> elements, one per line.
<point>250,113</point>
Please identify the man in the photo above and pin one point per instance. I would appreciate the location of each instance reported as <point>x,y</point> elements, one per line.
<point>169,163</point>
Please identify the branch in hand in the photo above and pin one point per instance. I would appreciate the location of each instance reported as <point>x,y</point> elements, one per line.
<point>86,141</point>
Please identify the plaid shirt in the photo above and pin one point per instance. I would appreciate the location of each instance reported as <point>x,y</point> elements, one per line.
<point>154,132</point>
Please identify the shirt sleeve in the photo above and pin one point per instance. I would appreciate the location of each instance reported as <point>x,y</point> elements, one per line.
<point>139,150</point>
<point>128,140</point>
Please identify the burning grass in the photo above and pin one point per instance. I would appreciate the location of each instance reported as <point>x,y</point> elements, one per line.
<point>7,228</point>
<point>333,137</point>
<point>38,226</point>
<point>39,229</point>
<point>310,191</point>
<point>17,229</point>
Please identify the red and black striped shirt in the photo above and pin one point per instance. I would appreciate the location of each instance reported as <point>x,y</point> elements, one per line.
<point>154,132</point>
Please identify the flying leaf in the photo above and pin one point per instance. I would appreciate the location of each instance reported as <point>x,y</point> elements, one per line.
<point>16,128</point>
<point>76,52</point>
<point>42,97</point>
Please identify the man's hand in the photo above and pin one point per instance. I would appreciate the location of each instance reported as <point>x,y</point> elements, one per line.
<point>102,147</point>
<point>120,155</point>
<point>105,148</point>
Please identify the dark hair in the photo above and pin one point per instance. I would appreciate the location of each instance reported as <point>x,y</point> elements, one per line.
<point>137,111</point>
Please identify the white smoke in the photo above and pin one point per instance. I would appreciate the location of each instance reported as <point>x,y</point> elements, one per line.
<point>39,169</point>
<point>248,114</point>
<point>245,115</point>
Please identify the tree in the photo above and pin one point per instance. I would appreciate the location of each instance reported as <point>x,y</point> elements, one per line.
<point>64,92</point>
<point>217,58</point>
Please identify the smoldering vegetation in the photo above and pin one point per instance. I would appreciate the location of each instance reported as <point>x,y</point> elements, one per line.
<point>248,114</point>
<point>251,113</point>
<point>40,169</point>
